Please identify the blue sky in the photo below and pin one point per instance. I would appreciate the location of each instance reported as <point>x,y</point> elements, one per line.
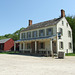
<point>14,14</point>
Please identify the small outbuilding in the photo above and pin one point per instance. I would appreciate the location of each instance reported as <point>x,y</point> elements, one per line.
<point>7,44</point>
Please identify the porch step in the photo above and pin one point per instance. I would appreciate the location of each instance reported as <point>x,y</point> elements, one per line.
<point>55,54</point>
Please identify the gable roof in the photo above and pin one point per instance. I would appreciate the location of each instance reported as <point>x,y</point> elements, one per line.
<point>4,40</point>
<point>43,24</point>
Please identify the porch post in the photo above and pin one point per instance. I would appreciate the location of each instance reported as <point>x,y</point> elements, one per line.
<point>20,47</point>
<point>35,46</point>
<point>23,46</point>
<point>14,46</point>
<point>51,47</point>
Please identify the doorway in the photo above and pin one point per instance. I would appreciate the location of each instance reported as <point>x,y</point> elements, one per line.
<point>54,46</point>
<point>33,47</point>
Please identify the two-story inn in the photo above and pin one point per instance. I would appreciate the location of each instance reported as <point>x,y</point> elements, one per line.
<point>46,37</point>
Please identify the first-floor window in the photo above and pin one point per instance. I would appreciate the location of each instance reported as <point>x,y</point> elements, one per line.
<point>42,45</point>
<point>70,45</point>
<point>28,45</point>
<point>1,46</point>
<point>61,45</point>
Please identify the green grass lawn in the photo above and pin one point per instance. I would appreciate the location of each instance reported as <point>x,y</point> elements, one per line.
<point>12,52</point>
<point>70,54</point>
<point>9,52</point>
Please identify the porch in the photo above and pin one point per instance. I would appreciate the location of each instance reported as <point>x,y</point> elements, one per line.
<point>45,47</point>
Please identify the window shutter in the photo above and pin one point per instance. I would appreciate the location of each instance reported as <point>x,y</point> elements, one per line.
<point>51,31</point>
<point>43,32</point>
<point>47,31</point>
<point>39,32</point>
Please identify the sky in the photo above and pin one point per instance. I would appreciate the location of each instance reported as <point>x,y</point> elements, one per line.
<point>15,14</point>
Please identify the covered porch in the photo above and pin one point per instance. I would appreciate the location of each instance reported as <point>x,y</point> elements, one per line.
<point>38,46</point>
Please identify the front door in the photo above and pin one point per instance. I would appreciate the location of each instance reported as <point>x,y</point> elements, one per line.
<point>54,46</point>
<point>33,47</point>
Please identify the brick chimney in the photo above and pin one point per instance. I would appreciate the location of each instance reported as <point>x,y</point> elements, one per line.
<point>30,22</point>
<point>62,13</point>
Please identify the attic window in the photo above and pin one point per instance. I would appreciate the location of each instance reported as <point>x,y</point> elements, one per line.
<point>67,24</point>
<point>62,22</point>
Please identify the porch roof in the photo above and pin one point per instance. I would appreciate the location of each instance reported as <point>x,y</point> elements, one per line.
<point>39,38</point>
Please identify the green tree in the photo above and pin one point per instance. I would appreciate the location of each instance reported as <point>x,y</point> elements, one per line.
<point>71,20</point>
<point>15,36</point>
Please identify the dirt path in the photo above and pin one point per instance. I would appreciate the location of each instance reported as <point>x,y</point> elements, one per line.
<point>30,65</point>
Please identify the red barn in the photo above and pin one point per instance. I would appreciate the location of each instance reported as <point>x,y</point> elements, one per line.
<point>6,44</point>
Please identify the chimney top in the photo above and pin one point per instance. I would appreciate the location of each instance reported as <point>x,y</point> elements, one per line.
<point>62,13</point>
<point>30,22</point>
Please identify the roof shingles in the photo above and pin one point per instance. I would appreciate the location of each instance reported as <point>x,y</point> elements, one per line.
<point>4,40</point>
<point>42,24</point>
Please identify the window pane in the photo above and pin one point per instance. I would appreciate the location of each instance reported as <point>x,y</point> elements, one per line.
<point>49,31</point>
<point>29,34</point>
<point>69,33</point>
<point>61,31</point>
<point>34,33</point>
<point>41,32</point>
<point>61,45</point>
<point>62,22</point>
<point>70,45</point>
<point>42,45</point>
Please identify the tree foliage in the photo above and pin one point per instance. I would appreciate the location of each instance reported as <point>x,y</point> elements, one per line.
<point>15,36</point>
<point>71,21</point>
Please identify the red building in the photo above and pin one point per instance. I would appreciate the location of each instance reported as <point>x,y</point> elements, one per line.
<point>6,44</point>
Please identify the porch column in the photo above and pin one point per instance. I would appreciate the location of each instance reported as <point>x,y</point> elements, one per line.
<point>51,47</point>
<point>23,46</point>
<point>20,47</point>
<point>14,46</point>
<point>35,46</point>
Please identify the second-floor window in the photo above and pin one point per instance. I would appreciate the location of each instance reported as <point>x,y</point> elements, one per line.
<point>69,33</point>
<point>22,35</point>
<point>62,22</point>
<point>41,33</point>
<point>34,34</point>
<point>61,31</point>
<point>29,35</point>
<point>50,31</point>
